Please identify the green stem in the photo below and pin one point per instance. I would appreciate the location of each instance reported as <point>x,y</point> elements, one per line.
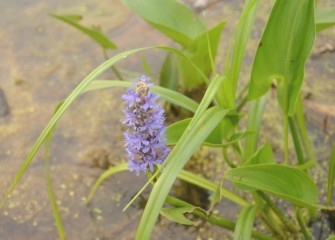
<point>267,218</point>
<point>296,141</point>
<point>285,138</point>
<point>227,159</point>
<point>286,221</point>
<point>215,220</point>
<point>302,225</point>
<point>114,69</point>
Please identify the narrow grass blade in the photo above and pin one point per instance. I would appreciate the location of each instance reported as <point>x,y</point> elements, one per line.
<point>190,141</point>
<point>245,222</point>
<point>166,94</point>
<point>234,60</point>
<point>255,116</point>
<point>119,168</point>
<point>300,118</point>
<point>74,94</point>
<point>331,176</point>
<point>211,186</point>
<point>94,33</point>
<point>55,209</point>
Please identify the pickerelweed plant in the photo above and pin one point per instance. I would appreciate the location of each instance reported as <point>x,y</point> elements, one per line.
<point>280,59</point>
<point>145,140</point>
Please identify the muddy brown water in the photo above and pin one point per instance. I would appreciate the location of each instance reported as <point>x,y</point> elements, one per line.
<point>44,59</point>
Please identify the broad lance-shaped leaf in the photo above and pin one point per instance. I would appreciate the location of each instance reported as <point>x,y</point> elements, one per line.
<point>93,32</point>
<point>198,52</point>
<point>177,214</point>
<point>324,18</point>
<point>171,18</point>
<point>283,50</point>
<point>286,182</point>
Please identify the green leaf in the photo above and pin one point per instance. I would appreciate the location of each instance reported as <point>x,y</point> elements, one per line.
<point>166,94</point>
<point>235,55</point>
<point>210,186</point>
<point>93,32</point>
<point>324,18</point>
<point>214,198</point>
<point>51,193</point>
<point>263,156</point>
<point>255,116</point>
<point>169,74</point>
<point>200,127</point>
<point>245,222</point>
<point>69,100</point>
<point>300,117</point>
<point>175,131</point>
<point>176,21</point>
<point>177,214</point>
<point>198,53</point>
<point>331,176</point>
<point>119,168</point>
<point>332,237</point>
<point>286,182</point>
<point>283,50</point>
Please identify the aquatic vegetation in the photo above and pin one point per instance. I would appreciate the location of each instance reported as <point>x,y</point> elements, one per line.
<point>279,61</point>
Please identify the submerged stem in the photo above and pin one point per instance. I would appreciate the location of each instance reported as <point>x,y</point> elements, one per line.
<point>285,220</point>
<point>302,225</point>
<point>215,220</point>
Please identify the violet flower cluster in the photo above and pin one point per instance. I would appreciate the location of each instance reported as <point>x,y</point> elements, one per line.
<point>144,139</point>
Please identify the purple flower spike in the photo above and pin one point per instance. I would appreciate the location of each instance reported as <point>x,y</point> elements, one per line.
<point>144,140</point>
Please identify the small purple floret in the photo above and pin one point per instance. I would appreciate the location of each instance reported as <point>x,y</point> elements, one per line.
<point>144,139</point>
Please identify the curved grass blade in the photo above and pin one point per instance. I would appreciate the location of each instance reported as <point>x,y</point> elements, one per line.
<point>74,94</point>
<point>166,94</point>
<point>331,176</point>
<point>119,168</point>
<point>94,32</point>
<point>286,182</point>
<point>51,193</point>
<point>245,221</point>
<point>183,175</point>
<point>200,128</point>
<point>55,210</point>
<point>235,55</point>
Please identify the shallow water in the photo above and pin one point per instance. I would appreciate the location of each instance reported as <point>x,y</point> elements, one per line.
<point>42,61</point>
